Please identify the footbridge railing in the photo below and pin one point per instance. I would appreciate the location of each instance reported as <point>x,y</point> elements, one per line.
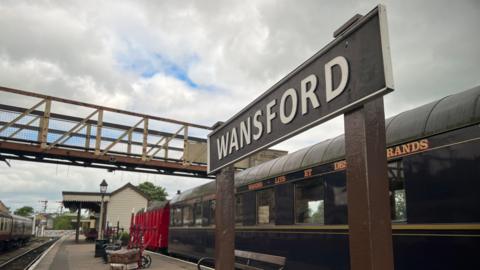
<point>43,128</point>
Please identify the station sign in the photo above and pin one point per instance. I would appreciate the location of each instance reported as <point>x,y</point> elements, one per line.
<point>351,70</point>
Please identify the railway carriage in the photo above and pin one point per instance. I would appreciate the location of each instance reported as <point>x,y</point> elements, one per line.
<point>155,222</point>
<point>296,206</point>
<point>14,230</point>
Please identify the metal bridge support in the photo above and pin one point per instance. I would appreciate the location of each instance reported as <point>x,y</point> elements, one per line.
<point>225,220</point>
<point>370,231</point>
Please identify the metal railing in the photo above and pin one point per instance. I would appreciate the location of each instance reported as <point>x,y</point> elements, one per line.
<point>123,139</point>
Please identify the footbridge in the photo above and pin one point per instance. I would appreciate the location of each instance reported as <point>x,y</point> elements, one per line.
<point>42,128</point>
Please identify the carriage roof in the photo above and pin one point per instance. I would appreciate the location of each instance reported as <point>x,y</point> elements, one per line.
<point>449,113</point>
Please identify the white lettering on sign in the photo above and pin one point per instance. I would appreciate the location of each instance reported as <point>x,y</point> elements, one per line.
<point>258,124</point>
<point>270,115</point>
<point>242,135</point>
<point>343,64</point>
<point>292,94</point>
<point>309,94</point>
<point>245,132</point>
<point>233,141</point>
<point>222,146</point>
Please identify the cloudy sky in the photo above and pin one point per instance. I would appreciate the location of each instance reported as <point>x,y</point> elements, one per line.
<point>202,61</point>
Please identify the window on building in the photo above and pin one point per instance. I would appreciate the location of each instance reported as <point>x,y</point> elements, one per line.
<point>177,216</point>
<point>239,209</point>
<point>398,202</point>
<point>187,215</point>
<point>198,213</point>
<point>310,202</point>
<point>266,206</point>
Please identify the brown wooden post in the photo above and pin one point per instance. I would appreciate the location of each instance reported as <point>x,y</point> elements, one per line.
<point>225,220</point>
<point>88,133</point>
<point>43,131</point>
<point>98,134</point>
<point>129,143</point>
<point>185,144</point>
<point>77,231</point>
<point>145,138</point>
<point>370,230</point>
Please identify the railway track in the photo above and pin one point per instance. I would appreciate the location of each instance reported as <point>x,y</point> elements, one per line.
<point>24,259</point>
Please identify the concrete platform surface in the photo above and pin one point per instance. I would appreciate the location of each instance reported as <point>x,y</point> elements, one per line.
<point>68,255</point>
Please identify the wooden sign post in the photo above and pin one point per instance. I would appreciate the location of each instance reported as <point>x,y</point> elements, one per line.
<point>225,219</point>
<point>370,231</point>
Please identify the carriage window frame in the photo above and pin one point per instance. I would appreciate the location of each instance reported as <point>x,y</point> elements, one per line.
<point>239,215</point>
<point>396,178</point>
<point>178,220</point>
<point>307,183</point>
<point>212,204</point>
<point>197,217</point>
<point>185,210</point>
<point>271,207</point>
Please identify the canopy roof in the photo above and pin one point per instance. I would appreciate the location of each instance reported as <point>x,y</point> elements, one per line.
<point>88,200</point>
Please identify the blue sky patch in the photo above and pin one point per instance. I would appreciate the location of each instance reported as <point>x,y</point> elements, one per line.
<point>147,64</point>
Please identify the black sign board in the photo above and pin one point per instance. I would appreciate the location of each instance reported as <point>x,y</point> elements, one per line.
<point>352,69</point>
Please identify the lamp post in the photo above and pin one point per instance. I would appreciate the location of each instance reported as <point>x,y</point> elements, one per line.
<point>103,190</point>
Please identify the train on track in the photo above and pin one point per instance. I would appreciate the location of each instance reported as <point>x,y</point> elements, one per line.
<point>296,206</point>
<point>14,230</point>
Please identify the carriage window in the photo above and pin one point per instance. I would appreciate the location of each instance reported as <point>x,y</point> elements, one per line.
<point>187,215</point>
<point>198,213</point>
<point>239,209</point>
<point>396,179</point>
<point>177,216</point>
<point>266,206</point>
<point>212,212</point>
<point>310,202</point>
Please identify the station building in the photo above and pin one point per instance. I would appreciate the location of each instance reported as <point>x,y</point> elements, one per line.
<point>118,205</point>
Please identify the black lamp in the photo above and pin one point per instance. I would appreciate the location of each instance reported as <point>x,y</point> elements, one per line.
<point>103,187</point>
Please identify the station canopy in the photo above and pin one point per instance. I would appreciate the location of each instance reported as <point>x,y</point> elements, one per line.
<point>87,200</point>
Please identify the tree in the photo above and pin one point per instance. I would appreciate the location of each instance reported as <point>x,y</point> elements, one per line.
<point>63,222</point>
<point>24,211</point>
<point>153,192</point>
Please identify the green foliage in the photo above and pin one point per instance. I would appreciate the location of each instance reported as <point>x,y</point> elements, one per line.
<point>124,237</point>
<point>24,211</point>
<point>62,223</point>
<point>155,193</point>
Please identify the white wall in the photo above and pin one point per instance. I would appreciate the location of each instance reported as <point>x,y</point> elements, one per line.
<point>120,207</point>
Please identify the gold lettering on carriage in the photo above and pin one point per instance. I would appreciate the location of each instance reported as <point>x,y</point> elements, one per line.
<point>393,152</point>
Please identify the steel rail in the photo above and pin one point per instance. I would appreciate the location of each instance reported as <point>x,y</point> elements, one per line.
<point>20,256</point>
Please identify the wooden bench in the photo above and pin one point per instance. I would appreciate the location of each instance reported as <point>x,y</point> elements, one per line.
<point>247,257</point>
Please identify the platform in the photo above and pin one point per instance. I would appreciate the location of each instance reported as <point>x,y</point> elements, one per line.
<point>68,255</point>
